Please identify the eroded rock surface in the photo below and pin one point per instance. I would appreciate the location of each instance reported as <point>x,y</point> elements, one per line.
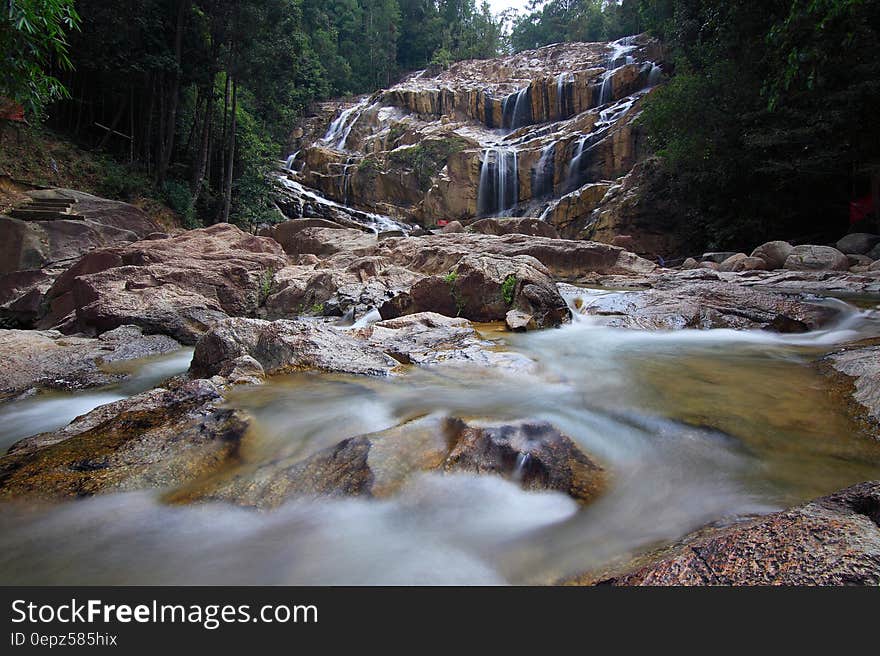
<point>834,540</point>
<point>163,439</point>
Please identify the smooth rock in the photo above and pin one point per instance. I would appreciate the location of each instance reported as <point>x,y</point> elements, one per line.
<point>858,243</point>
<point>815,258</point>
<point>774,253</point>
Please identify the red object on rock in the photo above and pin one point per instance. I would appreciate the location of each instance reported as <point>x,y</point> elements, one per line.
<point>442,222</point>
<point>860,209</point>
<point>11,110</point>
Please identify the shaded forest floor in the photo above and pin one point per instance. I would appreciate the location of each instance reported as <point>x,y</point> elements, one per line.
<point>37,157</point>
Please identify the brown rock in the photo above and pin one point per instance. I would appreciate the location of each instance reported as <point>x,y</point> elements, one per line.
<point>774,253</point>
<point>515,225</point>
<point>812,258</point>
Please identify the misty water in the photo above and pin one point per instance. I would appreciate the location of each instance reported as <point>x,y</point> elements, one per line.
<point>694,427</point>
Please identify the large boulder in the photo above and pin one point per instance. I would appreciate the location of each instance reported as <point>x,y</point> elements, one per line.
<point>700,303</point>
<point>50,360</point>
<point>164,438</point>
<point>96,223</point>
<point>858,243</point>
<point>816,258</point>
<point>742,262</point>
<point>533,454</point>
<point>831,541</point>
<point>177,286</point>
<point>514,225</point>
<point>486,287</point>
<point>774,253</point>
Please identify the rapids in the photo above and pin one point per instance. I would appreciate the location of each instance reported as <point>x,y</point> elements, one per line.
<point>695,427</point>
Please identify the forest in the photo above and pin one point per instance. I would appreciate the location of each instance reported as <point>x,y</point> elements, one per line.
<point>766,128</point>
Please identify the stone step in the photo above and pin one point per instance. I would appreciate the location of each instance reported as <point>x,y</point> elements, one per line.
<point>41,215</point>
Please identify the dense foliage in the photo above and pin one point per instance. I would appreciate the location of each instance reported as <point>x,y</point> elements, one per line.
<point>33,38</point>
<point>768,127</point>
<point>199,96</point>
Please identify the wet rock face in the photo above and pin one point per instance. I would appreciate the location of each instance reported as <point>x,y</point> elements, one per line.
<point>164,438</point>
<point>677,303</point>
<point>831,541</point>
<point>533,454</point>
<point>526,129</point>
<point>50,360</point>
<point>177,286</point>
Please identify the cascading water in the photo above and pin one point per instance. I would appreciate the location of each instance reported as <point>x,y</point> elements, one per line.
<point>563,95</point>
<point>516,110</point>
<point>499,181</point>
<point>544,172</point>
<point>290,161</point>
<point>337,134</point>
<point>575,165</point>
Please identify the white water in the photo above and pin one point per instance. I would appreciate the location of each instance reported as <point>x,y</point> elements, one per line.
<point>52,410</point>
<point>376,222</point>
<point>499,181</point>
<point>762,434</point>
<point>337,134</point>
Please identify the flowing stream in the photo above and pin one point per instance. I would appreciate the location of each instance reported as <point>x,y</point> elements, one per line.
<point>694,427</point>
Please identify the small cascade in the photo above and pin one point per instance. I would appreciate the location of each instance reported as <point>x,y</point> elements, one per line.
<point>516,110</point>
<point>564,99</point>
<point>346,180</point>
<point>336,136</point>
<point>575,165</point>
<point>619,57</point>
<point>499,181</point>
<point>544,172</point>
<point>654,75</point>
<point>290,161</point>
<point>519,469</point>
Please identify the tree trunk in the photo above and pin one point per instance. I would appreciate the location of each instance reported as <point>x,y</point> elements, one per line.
<point>170,120</point>
<point>202,160</point>
<point>227,194</point>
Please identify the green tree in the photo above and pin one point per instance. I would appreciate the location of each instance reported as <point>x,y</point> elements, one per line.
<point>33,39</point>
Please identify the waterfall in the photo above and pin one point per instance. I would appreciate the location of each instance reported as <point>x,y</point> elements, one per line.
<point>499,181</point>
<point>516,110</point>
<point>574,166</point>
<point>563,100</point>
<point>606,91</point>
<point>346,180</point>
<point>543,173</point>
<point>654,75</point>
<point>290,161</point>
<point>337,134</point>
<point>619,57</point>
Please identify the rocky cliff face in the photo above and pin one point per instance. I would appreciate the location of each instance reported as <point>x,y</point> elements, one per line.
<point>547,133</point>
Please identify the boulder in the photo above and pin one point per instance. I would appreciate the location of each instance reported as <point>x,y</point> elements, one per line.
<point>284,346</point>
<point>834,540</point>
<point>690,264</point>
<point>452,227</point>
<point>486,287</point>
<point>96,223</point>
<point>816,258</point>
<point>874,253</point>
<point>516,225</point>
<point>858,243</point>
<point>533,454</point>
<point>164,438</point>
<point>326,241</point>
<point>774,253</point>
<point>717,257</point>
<point>177,286</point>
<point>678,303</point>
<point>49,360</point>
<point>732,263</point>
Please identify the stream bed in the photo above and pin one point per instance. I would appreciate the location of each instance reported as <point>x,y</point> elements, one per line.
<point>695,427</point>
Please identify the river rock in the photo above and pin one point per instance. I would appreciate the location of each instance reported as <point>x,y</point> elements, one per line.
<point>813,258</point>
<point>677,303</point>
<point>717,257</point>
<point>177,286</point>
<point>858,243</point>
<point>285,346</point>
<point>863,366</point>
<point>741,262</point>
<point>533,454</point>
<point>161,439</point>
<point>774,253</point>
<point>46,359</point>
<point>516,225</point>
<point>690,264</point>
<point>486,287</point>
<point>834,540</point>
